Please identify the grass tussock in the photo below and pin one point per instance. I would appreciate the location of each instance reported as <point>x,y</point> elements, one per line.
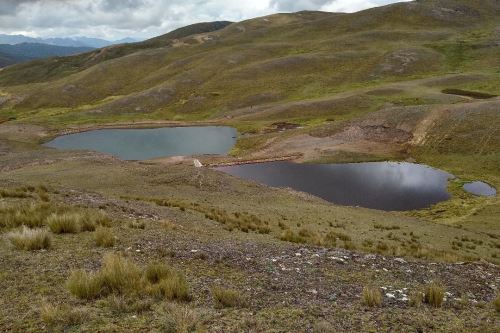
<point>307,236</point>
<point>67,223</point>
<point>371,296</point>
<point>30,239</point>
<point>181,319</point>
<point>227,298</point>
<point>137,224</point>
<point>434,294</point>
<point>166,282</point>
<point>496,303</point>
<point>18,193</point>
<point>120,276</point>
<point>63,316</point>
<point>104,237</point>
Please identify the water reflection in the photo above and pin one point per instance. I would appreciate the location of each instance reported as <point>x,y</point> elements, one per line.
<point>481,189</point>
<point>378,185</point>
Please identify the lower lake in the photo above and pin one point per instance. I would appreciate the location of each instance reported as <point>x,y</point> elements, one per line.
<point>389,186</point>
<point>143,144</point>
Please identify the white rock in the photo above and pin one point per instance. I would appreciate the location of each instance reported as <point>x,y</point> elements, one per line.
<point>389,295</point>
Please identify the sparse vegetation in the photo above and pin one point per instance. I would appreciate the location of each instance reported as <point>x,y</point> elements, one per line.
<point>62,317</point>
<point>371,296</point>
<point>30,239</point>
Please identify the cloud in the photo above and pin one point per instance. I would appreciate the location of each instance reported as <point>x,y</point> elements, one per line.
<point>114,19</point>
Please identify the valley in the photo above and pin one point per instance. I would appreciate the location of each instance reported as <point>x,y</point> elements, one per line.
<point>200,250</point>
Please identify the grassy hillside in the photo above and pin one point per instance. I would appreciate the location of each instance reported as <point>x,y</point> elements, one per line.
<point>263,61</point>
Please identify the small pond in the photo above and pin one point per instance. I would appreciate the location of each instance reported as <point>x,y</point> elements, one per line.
<point>387,186</point>
<point>143,144</point>
<point>480,189</point>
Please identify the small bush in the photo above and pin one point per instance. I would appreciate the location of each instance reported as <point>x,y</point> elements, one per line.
<point>104,237</point>
<point>66,223</point>
<point>496,303</point>
<point>62,316</point>
<point>84,285</point>
<point>227,298</point>
<point>371,296</point>
<point>137,224</point>
<point>30,239</point>
<point>434,294</point>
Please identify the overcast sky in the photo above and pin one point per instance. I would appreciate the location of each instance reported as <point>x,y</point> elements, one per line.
<point>115,19</point>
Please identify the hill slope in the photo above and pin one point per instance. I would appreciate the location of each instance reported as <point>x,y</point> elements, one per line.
<point>193,73</point>
<point>29,51</point>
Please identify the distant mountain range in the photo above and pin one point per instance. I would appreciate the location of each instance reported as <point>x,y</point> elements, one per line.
<point>68,42</point>
<point>13,54</point>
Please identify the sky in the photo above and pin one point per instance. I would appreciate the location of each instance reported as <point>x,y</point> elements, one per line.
<point>116,19</point>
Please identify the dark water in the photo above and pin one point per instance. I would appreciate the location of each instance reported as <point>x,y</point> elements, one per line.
<point>380,185</point>
<point>481,189</point>
<point>142,144</point>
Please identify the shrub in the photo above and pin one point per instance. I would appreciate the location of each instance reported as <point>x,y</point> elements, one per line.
<point>122,304</point>
<point>434,294</point>
<point>30,239</point>
<point>227,298</point>
<point>496,303</point>
<point>65,316</point>
<point>84,285</point>
<point>371,296</point>
<point>104,237</point>
<point>66,223</point>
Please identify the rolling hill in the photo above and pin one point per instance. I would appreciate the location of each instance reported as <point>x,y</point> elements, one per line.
<point>13,54</point>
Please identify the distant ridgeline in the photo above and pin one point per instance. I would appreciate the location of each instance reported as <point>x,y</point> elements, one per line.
<point>13,54</point>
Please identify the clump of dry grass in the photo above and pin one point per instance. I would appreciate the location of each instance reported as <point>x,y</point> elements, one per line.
<point>227,298</point>
<point>104,237</point>
<point>137,224</point>
<point>18,193</point>
<point>121,276</point>
<point>371,296</point>
<point>30,239</point>
<point>62,316</point>
<point>416,298</point>
<point>434,294</point>
<point>66,223</point>
<point>181,319</point>
<point>84,285</point>
<point>167,283</point>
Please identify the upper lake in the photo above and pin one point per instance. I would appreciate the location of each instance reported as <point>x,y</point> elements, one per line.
<point>387,186</point>
<point>143,144</point>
